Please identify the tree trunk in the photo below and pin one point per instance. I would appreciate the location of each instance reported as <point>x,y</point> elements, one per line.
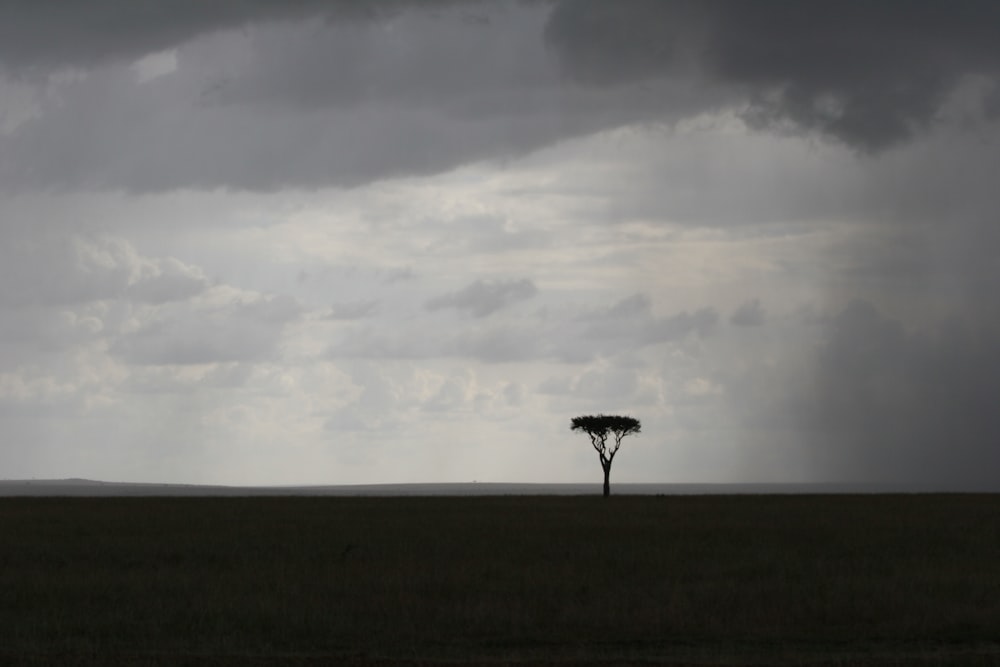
<point>607,481</point>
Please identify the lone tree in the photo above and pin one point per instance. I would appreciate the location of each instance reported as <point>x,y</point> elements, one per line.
<point>599,427</point>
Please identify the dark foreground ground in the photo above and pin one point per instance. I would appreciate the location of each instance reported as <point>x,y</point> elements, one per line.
<point>697,580</point>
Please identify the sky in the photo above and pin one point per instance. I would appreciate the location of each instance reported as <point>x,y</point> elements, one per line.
<point>319,242</point>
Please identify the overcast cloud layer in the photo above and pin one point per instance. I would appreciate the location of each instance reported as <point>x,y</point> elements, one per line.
<point>334,242</point>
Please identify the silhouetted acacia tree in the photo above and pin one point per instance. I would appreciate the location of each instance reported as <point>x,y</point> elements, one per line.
<point>599,427</point>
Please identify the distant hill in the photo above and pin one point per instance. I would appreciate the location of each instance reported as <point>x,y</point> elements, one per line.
<point>87,487</point>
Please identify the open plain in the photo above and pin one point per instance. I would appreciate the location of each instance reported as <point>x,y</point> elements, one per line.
<point>846,580</point>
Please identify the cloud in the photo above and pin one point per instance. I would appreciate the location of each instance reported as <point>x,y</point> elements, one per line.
<point>631,323</point>
<point>368,343</point>
<point>64,34</point>
<point>483,298</point>
<point>263,96</point>
<point>398,275</point>
<point>294,99</point>
<point>237,331</point>
<point>503,343</point>
<point>679,159</point>
<point>868,74</point>
<point>881,401</point>
<point>303,103</point>
<point>167,280</point>
<point>353,310</point>
<point>637,305</point>
<point>749,314</point>
<point>57,269</point>
<point>701,322</point>
<point>607,383</point>
<point>567,335</point>
<point>164,379</point>
<point>48,333</point>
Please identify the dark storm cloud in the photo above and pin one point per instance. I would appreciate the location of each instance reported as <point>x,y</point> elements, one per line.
<point>483,298</point>
<point>901,384</point>
<point>313,94</point>
<point>309,104</point>
<point>63,33</point>
<point>868,73</point>
<point>903,404</point>
<point>39,36</point>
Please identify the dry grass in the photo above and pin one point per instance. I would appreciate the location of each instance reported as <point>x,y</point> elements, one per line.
<point>824,580</point>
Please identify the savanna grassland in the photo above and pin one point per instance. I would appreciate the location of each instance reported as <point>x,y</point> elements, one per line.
<point>684,580</point>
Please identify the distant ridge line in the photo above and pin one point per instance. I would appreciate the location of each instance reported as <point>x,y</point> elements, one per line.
<point>88,487</point>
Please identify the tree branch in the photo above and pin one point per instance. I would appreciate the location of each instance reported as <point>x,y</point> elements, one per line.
<point>598,437</point>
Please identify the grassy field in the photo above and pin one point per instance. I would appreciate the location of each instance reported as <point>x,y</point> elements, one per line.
<point>697,580</point>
